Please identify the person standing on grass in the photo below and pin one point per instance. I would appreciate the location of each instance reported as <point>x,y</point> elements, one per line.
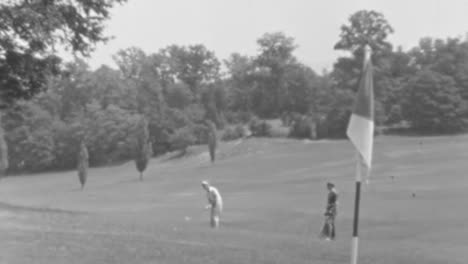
<point>215,203</point>
<point>328,230</point>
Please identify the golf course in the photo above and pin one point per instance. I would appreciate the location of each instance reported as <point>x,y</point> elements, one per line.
<point>412,211</point>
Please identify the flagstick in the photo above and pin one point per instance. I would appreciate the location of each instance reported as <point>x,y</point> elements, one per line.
<point>355,241</point>
<point>368,171</point>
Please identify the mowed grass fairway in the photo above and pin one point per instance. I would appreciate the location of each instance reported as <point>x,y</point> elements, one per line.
<point>274,195</point>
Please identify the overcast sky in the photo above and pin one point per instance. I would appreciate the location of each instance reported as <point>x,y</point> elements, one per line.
<point>227,26</point>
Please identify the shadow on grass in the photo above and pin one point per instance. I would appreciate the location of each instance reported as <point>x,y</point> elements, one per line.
<point>136,180</point>
<point>409,132</point>
<point>104,186</point>
<point>78,189</point>
<point>178,155</point>
<point>22,208</point>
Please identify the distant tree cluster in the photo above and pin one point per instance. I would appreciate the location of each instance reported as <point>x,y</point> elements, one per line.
<point>184,98</point>
<point>425,87</point>
<point>30,34</point>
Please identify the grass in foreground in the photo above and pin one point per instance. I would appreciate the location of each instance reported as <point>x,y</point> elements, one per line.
<point>274,198</point>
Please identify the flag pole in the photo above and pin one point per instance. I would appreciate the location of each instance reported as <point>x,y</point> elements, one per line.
<point>368,172</point>
<point>359,158</point>
<point>355,240</point>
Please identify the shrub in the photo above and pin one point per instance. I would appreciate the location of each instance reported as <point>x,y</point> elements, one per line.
<point>395,115</point>
<point>29,131</point>
<point>233,133</point>
<point>182,138</point>
<point>67,141</point>
<point>238,117</point>
<point>279,131</point>
<point>109,132</point>
<point>301,127</point>
<point>260,128</point>
<point>239,129</point>
<point>285,119</point>
<point>178,96</point>
<point>433,103</point>
<point>200,133</point>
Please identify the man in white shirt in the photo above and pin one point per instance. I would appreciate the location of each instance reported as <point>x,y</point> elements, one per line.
<point>215,203</point>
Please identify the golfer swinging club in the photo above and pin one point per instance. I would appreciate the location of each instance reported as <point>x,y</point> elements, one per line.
<point>215,203</point>
<point>328,230</point>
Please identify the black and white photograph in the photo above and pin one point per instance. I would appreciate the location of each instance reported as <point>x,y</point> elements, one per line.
<point>233,132</point>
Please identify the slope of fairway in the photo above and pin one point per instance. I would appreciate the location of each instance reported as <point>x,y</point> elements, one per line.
<point>274,195</point>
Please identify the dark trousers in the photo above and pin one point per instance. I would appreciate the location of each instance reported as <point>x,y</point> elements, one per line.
<point>328,230</point>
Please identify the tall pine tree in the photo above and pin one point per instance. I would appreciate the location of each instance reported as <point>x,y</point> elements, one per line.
<point>83,158</point>
<point>212,140</point>
<point>143,148</point>
<point>3,151</point>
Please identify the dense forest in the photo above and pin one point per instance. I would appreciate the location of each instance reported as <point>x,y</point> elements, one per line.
<point>50,107</point>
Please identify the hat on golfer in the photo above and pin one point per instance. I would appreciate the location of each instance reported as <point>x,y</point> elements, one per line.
<point>205,183</point>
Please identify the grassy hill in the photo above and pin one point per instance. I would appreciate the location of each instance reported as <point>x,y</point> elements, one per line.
<point>274,195</point>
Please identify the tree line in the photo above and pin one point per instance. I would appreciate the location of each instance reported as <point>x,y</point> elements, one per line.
<point>168,100</point>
